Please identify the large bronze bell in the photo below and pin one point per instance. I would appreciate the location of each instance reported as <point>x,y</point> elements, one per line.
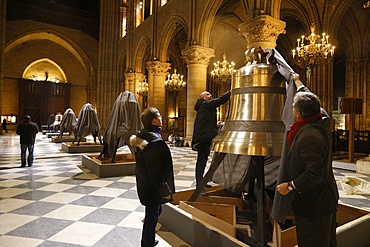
<point>253,125</point>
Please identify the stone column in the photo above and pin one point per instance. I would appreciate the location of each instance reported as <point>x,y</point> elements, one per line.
<point>139,77</point>
<point>197,59</point>
<point>356,87</point>
<point>2,53</point>
<point>130,81</point>
<point>156,78</point>
<point>262,31</point>
<point>108,82</point>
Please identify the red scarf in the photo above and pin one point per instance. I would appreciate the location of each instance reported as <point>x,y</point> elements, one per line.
<point>295,127</point>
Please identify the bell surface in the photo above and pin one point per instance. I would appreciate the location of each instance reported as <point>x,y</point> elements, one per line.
<point>254,125</point>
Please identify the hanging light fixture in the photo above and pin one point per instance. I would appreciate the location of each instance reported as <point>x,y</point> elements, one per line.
<point>174,82</point>
<point>316,52</point>
<point>143,88</point>
<point>222,71</point>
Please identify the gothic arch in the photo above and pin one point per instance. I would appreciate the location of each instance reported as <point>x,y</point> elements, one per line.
<point>297,10</point>
<point>206,22</point>
<point>58,71</point>
<point>170,28</point>
<point>141,48</point>
<point>335,18</point>
<point>122,63</point>
<point>226,39</point>
<point>353,37</point>
<point>75,51</point>
<point>57,38</point>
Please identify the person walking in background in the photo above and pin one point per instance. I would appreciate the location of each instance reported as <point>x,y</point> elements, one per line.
<point>27,131</point>
<point>205,129</point>
<point>309,174</point>
<point>4,125</point>
<point>154,172</point>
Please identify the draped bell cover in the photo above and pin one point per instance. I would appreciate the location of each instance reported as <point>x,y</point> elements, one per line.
<point>87,122</point>
<point>123,121</point>
<point>69,121</point>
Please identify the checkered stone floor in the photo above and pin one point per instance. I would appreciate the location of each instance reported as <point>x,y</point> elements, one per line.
<point>55,203</point>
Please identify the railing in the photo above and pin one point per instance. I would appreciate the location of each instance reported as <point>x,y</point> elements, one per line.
<point>362,141</point>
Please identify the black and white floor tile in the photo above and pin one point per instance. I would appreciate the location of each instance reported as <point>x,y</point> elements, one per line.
<point>54,204</point>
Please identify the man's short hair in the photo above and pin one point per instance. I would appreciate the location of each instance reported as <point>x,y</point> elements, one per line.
<point>27,118</point>
<point>148,115</point>
<point>202,94</point>
<point>307,103</point>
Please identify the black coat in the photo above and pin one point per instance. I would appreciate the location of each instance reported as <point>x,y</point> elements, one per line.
<point>27,132</point>
<point>205,125</point>
<point>310,166</point>
<point>154,168</point>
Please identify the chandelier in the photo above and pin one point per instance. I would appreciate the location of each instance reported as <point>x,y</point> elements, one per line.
<point>174,82</point>
<point>143,88</point>
<point>222,71</point>
<point>316,52</point>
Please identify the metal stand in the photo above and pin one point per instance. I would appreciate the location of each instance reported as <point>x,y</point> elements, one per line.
<point>261,214</point>
<point>216,161</point>
<point>260,175</point>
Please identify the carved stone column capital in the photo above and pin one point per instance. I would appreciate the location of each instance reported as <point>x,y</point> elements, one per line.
<point>130,75</point>
<point>262,31</point>
<point>139,76</point>
<point>158,67</point>
<point>197,55</point>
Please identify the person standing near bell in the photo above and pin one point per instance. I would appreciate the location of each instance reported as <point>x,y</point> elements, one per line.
<point>205,128</point>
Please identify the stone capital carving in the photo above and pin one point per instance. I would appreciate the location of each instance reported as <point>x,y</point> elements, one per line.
<point>262,31</point>
<point>196,54</point>
<point>130,76</point>
<point>158,68</point>
<point>139,76</point>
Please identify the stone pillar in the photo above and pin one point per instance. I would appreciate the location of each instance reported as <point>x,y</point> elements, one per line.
<point>262,31</point>
<point>108,82</point>
<point>156,78</point>
<point>2,53</point>
<point>321,84</point>
<point>197,59</point>
<point>139,77</point>
<point>130,81</point>
<point>357,87</point>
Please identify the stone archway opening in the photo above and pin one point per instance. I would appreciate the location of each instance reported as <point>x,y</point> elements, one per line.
<point>44,70</point>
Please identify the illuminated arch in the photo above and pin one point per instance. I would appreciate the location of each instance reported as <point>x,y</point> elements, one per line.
<point>37,71</point>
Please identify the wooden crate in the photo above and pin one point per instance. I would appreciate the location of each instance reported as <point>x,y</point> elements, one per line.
<point>220,216</point>
<point>216,209</point>
<point>120,158</point>
<point>351,222</point>
<point>210,222</point>
<point>103,168</point>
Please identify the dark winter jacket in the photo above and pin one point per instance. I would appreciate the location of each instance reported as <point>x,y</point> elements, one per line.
<point>205,125</point>
<point>310,168</point>
<point>27,131</point>
<point>154,168</point>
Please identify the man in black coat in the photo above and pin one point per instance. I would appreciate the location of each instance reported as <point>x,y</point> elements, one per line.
<point>205,128</point>
<point>154,172</point>
<point>309,174</point>
<point>27,131</point>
